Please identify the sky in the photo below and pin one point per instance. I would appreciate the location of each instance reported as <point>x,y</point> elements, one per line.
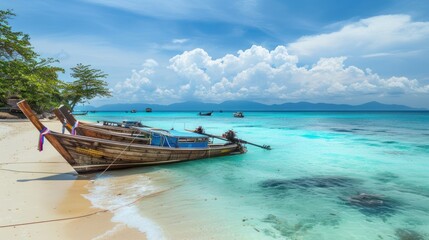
<point>268,51</point>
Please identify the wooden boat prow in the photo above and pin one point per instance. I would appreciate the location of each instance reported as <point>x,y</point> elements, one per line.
<point>25,108</point>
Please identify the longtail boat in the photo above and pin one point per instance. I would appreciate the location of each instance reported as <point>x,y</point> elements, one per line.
<point>126,135</point>
<point>63,114</point>
<point>88,154</point>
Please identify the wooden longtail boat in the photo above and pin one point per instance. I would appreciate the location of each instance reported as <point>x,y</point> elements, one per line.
<point>64,115</point>
<point>87,154</point>
<point>91,130</point>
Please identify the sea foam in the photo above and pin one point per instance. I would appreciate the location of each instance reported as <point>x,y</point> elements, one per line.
<point>120,194</point>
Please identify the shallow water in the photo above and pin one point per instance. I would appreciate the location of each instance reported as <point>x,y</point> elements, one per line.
<point>309,186</point>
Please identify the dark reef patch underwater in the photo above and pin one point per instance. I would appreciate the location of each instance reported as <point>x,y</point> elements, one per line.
<point>372,204</point>
<point>309,182</point>
<point>408,234</point>
<point>345,188</point>
<point>386,176</point>
<point>296,230</point>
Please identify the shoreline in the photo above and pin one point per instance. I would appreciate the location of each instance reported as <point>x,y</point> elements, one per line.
<point>42,195</point>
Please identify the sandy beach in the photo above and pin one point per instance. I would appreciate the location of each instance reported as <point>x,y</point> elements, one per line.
<point>42,196</point>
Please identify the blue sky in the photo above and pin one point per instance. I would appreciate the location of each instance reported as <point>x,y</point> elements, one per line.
<point>270,51</point>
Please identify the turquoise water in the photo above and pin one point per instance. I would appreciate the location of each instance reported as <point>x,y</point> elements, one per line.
<point>330,175</point>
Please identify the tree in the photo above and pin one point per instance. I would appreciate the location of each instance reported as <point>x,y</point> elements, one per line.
<point>23,72</point>
<point>13,45</point>
<point>89,84</point>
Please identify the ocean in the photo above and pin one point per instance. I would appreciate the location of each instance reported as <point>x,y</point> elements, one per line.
<point>329,175</point>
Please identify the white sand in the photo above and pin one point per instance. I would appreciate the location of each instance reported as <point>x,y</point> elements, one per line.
<point>39,186</point>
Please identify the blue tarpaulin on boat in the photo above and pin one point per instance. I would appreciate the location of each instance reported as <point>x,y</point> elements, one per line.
<point>176,139</point>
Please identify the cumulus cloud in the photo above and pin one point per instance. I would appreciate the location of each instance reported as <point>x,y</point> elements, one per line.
<point>375,36</point>
<point>259,74</point>
<point>138,84</point>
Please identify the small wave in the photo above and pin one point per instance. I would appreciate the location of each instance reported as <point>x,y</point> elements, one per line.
<point>131,217</point>
<point>118,194</point>
<point>110,232</point>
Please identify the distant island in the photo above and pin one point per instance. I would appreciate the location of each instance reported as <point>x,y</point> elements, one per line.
<point>250,106</point>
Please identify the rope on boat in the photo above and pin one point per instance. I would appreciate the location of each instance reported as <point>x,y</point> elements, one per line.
<point>63,130</point>
<point>43,132</point>
<point>76,124</point>
<point>166,139</point>
<point>88,214</point>
<point>117,157</point>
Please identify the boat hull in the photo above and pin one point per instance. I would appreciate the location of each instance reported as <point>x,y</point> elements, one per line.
<point>91,154</point>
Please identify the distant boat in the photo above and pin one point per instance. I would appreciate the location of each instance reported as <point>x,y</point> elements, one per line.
<point>205,113</point>
<point>148,109</point>
<point>133,111</point>
<point>124,124</point>
<point>238,115</point>
<point>80,113</point>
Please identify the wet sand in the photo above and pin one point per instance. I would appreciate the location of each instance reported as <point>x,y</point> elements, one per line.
<point>42,195</point>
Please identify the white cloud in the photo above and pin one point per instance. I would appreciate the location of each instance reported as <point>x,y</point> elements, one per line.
<point>259,74</point>
<point>149,65</point>
<point>136,87</point>
<point>180,40</point>
<point>375,36</point>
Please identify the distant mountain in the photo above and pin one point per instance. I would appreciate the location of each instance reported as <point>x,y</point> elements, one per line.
<point>251,106</point>
<point>369,106</point>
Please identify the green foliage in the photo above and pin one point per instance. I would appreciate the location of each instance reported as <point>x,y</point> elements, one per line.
<point>13,45</point>
<point>23,72</point>
<point>89,84</point>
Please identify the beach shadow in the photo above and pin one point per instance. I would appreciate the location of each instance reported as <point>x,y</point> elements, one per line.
<point>20,171</point>
<point>72,176</point>
<point>69,176</point>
